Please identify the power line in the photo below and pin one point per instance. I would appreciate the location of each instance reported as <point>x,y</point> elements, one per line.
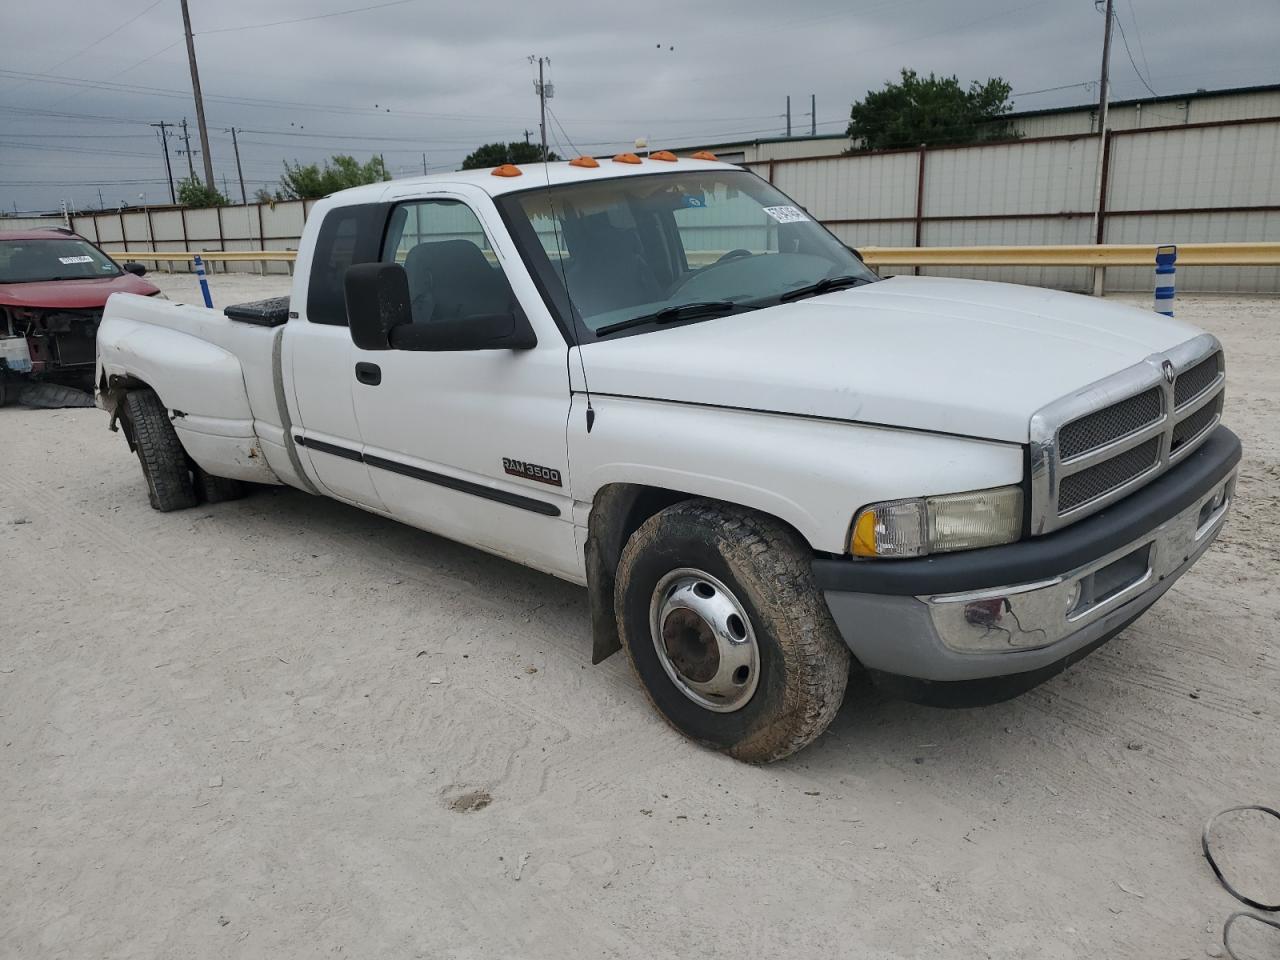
<point>105,36</point>
<point>1125,41</point>
<point>318,16</point>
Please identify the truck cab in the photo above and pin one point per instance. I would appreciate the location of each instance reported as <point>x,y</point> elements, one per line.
<point>661,379</point>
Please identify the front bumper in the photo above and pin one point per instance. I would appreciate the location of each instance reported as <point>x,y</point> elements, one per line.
<point>984,625</point>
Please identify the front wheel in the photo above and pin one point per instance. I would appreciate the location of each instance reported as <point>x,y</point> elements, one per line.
<point>727,631</point>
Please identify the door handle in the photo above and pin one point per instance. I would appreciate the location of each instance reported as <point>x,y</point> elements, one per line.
<point>369,373</point>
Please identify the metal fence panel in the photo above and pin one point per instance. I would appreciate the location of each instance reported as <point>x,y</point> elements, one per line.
<point>1047,176</point>
<point>854,187</point>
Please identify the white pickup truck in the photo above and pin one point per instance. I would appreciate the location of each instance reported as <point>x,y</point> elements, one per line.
<point>661,379</point>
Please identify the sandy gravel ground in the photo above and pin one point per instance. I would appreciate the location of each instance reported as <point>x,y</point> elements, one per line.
<point>283,728</point>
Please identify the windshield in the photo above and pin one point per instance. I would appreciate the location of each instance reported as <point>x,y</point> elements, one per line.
<point>55,258</point>
<point>641,251</point>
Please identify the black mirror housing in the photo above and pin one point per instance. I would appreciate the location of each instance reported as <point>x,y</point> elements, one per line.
<point>377,298</point>
<point>493,331</point>
<point>134,267</point>
<point>380,316</point>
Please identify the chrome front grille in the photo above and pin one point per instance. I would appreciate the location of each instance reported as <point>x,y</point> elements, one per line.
<point>1096,481</point>
<point>1098,445</point>
<point>1110,423</point>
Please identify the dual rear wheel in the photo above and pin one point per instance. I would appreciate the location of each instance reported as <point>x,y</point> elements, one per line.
<point>174,482</point>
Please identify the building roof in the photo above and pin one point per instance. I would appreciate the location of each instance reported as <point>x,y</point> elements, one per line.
<point>1164,98</point>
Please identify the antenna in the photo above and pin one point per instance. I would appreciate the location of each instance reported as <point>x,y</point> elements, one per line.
<point>545,91</point>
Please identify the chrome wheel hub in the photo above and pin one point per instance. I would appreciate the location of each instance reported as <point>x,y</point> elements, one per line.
<point>704,639</point>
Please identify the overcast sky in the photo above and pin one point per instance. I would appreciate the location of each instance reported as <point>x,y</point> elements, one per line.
<point>422,76</point>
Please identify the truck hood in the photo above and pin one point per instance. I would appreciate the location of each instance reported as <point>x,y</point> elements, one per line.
<point>89,293</point>
<point>929,353</point>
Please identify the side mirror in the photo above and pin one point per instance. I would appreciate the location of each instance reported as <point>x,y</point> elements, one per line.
<point>132,266</point>
<point>491,331</point>
<point>381,318</point>
<point>377,296</point>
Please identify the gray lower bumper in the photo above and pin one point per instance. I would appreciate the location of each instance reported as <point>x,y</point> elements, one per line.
<point>1025,628</point>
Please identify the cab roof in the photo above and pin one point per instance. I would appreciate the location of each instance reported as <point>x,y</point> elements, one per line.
<point>40,233</point>
<point>533,175</point>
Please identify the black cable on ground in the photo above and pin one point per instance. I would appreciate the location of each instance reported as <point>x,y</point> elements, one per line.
<point>1226,929</point>
<point>1208,855</point>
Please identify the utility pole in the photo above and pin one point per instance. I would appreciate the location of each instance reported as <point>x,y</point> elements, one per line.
<point>186,138</point>
<point>527,134</point>
<point>101,203</point>
<point>164,142</point>
<point>545,92</point>
<point>195,90</point>
<point>1104,97</point>
<point>788,115</point>
<point>813,114</point>
<point>424,164</point>
<point>235,145</point>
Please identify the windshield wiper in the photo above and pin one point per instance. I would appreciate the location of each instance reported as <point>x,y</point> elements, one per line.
<point>681,311</point>
<point>822,286</point>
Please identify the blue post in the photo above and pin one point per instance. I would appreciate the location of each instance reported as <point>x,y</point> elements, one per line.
<point>1166,257</point>
<point>204,283</point>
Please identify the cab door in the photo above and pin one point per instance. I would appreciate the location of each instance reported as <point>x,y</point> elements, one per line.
<point>470,444</point>
<point>318,354</point>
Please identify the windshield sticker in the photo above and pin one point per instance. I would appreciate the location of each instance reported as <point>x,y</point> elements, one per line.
<point>787,214</point>
<point>75,259</point>
<point>692,201</point>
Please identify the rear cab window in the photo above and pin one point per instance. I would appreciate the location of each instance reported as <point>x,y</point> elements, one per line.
<point>348,235</point>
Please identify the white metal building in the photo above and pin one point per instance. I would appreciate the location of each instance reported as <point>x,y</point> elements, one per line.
<point>1202,106</point>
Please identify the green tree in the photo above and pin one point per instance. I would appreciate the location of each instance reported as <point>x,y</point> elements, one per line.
<point>496,154</point>
<point>192,192</point>
<point>305,182</point>
<point>930,110</point>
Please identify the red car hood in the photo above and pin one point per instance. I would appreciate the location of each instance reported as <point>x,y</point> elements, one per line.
<point>72,294</point>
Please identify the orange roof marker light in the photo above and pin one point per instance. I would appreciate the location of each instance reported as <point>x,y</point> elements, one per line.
<point>705,155</point>
<point>508,170</point>
<point>583,161</point>
<point>666,155</point>
<point>626,158</point>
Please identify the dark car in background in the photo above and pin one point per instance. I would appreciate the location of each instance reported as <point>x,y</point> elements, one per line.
<point>53,286</point>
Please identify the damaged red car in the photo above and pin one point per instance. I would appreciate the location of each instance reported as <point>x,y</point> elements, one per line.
<point>53,286</point>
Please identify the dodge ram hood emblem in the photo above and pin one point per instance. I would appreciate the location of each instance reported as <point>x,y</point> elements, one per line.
<point>1167,367</point>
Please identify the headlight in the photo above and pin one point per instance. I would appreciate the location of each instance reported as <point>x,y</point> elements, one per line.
<point>956,521</point>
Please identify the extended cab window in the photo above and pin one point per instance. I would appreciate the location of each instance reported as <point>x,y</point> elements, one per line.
<point>452,270</point>
<point>348,235</point>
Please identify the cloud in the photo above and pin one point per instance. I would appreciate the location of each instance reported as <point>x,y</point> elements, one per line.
<point>446,77</point>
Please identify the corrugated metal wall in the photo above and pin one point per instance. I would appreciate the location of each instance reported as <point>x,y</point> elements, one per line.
<point>1180,184</point>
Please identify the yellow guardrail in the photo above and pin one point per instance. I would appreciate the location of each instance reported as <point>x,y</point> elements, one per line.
<point>1257,254</point>
<point>209,256</point>
<point>1260,254</point>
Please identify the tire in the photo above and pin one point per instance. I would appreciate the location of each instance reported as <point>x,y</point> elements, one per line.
<point>164,462</point>
<point>43,395</point>
<point>211,489</point>
<point>743,561</point>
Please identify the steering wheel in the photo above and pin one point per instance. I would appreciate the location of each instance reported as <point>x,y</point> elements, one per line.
<point>734,255</point>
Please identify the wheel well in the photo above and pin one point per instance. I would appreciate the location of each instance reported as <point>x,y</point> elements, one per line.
<point>618,511</point>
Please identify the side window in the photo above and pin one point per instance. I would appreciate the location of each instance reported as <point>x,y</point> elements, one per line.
<point>348,235</point>
<point>452,270</point>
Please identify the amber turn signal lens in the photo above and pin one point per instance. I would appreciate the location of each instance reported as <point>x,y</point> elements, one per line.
<point>626,158</point>
<point>507,170</point>
<point>664,155</point>
<point>583,162</point>
<point>864,535</point>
